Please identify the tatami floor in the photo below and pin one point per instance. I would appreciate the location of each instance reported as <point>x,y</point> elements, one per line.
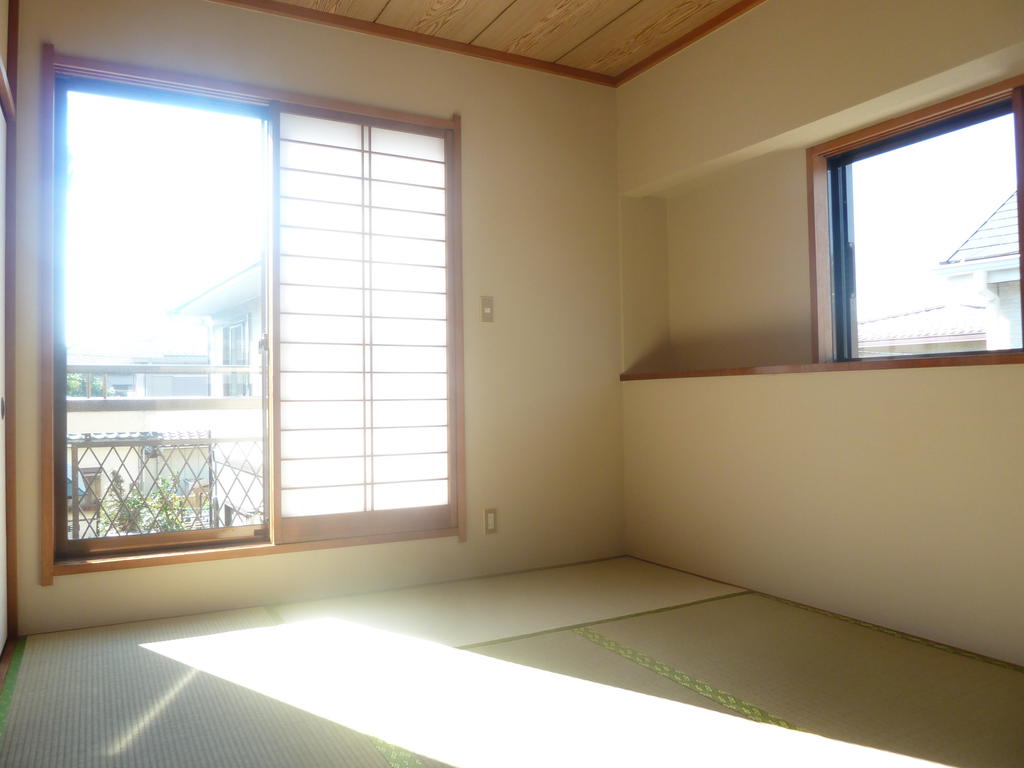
<point>617,663</point>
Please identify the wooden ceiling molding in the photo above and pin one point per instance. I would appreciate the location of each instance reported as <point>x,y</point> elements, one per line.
<point>600,41</point>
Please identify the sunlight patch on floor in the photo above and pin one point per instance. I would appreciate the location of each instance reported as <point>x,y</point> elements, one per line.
<point>470,710</point>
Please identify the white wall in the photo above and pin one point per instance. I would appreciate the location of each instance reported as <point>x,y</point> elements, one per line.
<point>540,211</point>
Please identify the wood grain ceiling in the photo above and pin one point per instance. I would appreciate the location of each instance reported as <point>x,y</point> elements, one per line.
<point>602,41</point>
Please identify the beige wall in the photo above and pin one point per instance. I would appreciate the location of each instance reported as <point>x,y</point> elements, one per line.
<point>540,234</point>
<point>738,269</point>
<point>759,82</point>
<point>892,496</point>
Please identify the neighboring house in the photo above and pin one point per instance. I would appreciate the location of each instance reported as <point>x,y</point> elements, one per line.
<point>984,274</point>
<point>235,321</point>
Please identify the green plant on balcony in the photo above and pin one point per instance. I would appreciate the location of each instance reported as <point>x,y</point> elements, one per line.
<point>162,510</point>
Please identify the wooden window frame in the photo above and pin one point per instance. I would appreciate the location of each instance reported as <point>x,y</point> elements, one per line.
<point>824,342</point>
<point>174,548</point>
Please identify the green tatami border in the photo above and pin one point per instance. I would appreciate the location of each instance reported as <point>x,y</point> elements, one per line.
<point>708,691</point>
<point>10,680</point>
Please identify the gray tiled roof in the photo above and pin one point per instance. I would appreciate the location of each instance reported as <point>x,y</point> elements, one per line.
<point>995,238</point>
<point>951,320</point>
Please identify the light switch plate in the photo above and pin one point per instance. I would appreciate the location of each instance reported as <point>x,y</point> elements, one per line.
<point>487,309</point>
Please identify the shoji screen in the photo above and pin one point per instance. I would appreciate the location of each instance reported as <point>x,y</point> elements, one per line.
<point>364,393</point>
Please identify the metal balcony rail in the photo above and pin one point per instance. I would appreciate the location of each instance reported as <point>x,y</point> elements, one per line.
<point>127,483</point>
<point>239,386</point>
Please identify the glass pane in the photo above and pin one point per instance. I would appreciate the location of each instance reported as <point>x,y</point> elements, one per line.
<point>325,245</point>
<point>936,248</point>
<point>321,415</point>
<point>410,440</point>
<point>335,273</point>
<point>321,386</point>
<point>396,277</point>
<point>336,216</point>
<point>321,301</point>
<point>387,168</point>
<point>387,222</point>
<point>322,501</point>
<point>409,386</point>
<point>318,186</point>
<point>321,357</point>
<point>413,305</point>
<point>303,128</point>
<point>409,332</point>
<point>302,473</point>
<point>410,413</point>
<point>421,359</point>
<point>307,157</point>
<point>406,495</point>
<point>322,443</point>
<point>409,198</point>
<point>406,251</point>
<point>408,144</point>
<point>325,329</point>
<point>392,469</point>
<point>163,265</point>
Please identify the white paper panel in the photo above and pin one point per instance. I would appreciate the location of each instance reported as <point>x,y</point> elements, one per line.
<point>409,386</point>
<point>323,415</point>
<point>429,466</point>
<point>423,359</point>
<point>305,213</point>
<point>322,443</point>
<point>397,277</point>
<point>404,251</point>
<point>385,168</point>
<point>334,273</point>
<point>405,224</point>
<point>337,330</point>
<point>321,386</point>
<point>319,186</point>
<point>408,144</point>
<point>415,413</point>
<point>322,501</point>
<point>303,128</point>
<point>328,245</point>
<point>413,305</point>
<point>386,194</point>
<point>321,357</point>
<point>300,473</point>
<point>410,440</point>
<point>306,157</point>
<point>410,332</point>
<point>325,301</point>
<point>406,495</point>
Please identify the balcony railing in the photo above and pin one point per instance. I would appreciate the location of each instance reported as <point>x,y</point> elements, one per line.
<point>96,387</point>
<point>152,482</point>
<point>139,477</point>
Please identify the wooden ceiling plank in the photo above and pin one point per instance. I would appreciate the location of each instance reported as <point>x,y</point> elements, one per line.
<point>291,11</point>
<point>688,39</point>
<point>459,20</point>
<point>643,31</point>
<point>549,30</point>
<point>364,10</point>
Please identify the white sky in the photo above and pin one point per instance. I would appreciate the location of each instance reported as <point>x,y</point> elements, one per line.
<point>147,229</point>
<point>914,206</point>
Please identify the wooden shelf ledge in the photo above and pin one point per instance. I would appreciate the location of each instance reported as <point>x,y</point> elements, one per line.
<point>980,358</point>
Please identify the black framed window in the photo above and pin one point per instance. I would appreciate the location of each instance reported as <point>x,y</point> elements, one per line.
<point>924,239</point>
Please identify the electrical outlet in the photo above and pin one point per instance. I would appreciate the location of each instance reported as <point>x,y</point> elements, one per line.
<point>491,520</point>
